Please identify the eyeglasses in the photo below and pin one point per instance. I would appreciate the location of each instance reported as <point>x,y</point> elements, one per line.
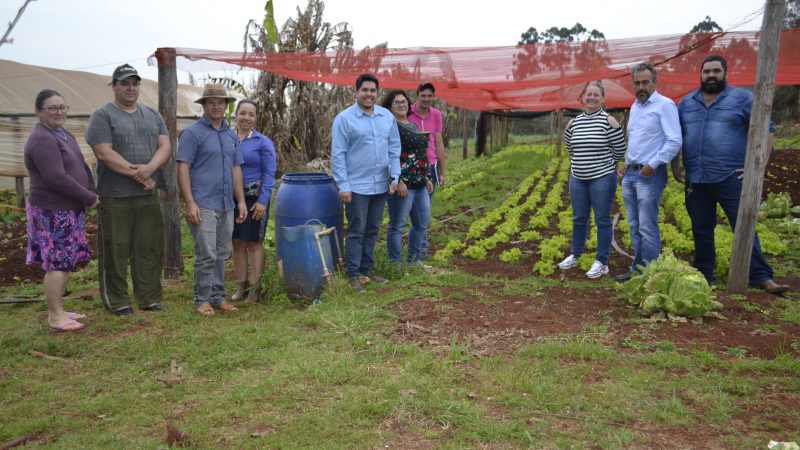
<point>56,109</point>
<point>399,102</point>
<point>135,83</point>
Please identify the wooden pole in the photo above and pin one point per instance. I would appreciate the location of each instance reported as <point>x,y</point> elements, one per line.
<point>491,129</point>
<point>625,120</point>
<point>465,135</point>
<point>480,133</point>
<point>506,127</point>
<point>559,131</point>
<point>20,185</point>
<point>170,203</point>
<point>757,150</point>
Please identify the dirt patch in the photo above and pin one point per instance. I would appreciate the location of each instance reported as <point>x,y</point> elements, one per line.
<point>493,323</point>
<point>13,243</point>
<point>783,174</point>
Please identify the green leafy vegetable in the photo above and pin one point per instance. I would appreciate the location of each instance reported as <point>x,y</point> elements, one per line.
<point>777,205</point>
<point>671,285</point>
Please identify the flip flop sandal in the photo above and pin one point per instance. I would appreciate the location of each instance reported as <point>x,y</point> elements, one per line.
<point>75,315</point>
<point>67,327</point>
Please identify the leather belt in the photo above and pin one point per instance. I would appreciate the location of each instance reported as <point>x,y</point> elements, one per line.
<point>634,166</point>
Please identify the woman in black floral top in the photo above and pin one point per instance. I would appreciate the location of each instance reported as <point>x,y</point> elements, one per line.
<point>412,197</point>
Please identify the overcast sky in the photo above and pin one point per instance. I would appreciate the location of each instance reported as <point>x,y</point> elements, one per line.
<point>97,35</point>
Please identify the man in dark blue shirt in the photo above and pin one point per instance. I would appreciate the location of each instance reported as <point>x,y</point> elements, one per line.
<point>714,123</point>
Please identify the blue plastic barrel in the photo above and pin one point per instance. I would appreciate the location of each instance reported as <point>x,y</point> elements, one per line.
<point>307,196</point>
<point>303,271</point>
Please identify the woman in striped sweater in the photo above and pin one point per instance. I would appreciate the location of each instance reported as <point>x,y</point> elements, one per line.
<point>596,143</point>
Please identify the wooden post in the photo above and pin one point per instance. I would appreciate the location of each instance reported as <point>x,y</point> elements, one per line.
<point>490,134</point>
<point>465,135</point>
<point>480,133</point>
<point>20,185</point>
<point>559,131</point>
<point>625,121</point>
<point>170,203</point>
<point>757,151</point>
<point>506,126</point>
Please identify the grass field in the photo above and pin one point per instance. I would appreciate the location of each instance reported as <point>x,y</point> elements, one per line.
<point>338,374</point>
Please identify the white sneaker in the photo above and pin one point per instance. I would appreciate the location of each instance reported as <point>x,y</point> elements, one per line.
<point>597,270</point>
<point>568,263</point>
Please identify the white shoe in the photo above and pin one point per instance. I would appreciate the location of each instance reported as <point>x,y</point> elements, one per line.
<point>568,263</point>
<point>597,270</point>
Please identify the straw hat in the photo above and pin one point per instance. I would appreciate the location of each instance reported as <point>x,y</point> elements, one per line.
<point>215,91</point>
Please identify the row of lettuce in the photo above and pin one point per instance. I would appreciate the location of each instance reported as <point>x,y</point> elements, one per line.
<point>534,222</point>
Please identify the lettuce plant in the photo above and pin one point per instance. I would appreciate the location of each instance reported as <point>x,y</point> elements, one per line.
<point>671,285</point>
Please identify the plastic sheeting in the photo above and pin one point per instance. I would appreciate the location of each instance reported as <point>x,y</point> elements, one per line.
<point>538,77</point>
<point>83,91</point>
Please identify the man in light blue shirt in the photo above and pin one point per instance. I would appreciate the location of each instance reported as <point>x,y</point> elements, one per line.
<point>366,164</point>
<point>654,138</point>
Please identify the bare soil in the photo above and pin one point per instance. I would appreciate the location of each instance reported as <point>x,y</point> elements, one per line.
<point>13,244</point>
<point>783,174</point>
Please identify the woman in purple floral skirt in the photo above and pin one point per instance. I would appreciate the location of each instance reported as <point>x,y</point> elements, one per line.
<point>61,188</point>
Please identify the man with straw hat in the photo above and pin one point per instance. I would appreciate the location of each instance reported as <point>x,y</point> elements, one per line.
<point>210,176</point>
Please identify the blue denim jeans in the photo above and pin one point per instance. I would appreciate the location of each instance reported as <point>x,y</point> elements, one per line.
<point>417,206</point>
<point>364,216</point>
<point>596,194</point>
<point>212,246</point>
<point>701,203</point>
<point>433,172</point>
<point>642,196</point>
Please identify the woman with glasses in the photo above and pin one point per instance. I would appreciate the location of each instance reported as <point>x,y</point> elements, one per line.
<point>412,197</point>
<point>258,173</point>
<point>61,188</point>
<point>596,144</point>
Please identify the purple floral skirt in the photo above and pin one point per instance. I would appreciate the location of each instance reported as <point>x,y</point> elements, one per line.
<point>56,239</point>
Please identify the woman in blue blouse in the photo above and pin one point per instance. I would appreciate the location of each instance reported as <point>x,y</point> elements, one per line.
<point>258,173</point>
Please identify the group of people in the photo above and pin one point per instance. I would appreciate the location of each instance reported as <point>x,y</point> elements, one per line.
<point>225,175</point>
<point>392,152</point>
<point>707,131</point>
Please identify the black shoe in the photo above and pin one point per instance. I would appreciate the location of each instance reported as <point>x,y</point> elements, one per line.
<point>155,307</point>
<point>124,311</point>
<point>624,277</point>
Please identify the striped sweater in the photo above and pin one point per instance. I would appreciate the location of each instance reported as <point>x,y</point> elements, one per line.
<point>594,147</point>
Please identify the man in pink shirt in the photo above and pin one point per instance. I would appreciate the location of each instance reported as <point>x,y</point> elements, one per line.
<point>429,120</point>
